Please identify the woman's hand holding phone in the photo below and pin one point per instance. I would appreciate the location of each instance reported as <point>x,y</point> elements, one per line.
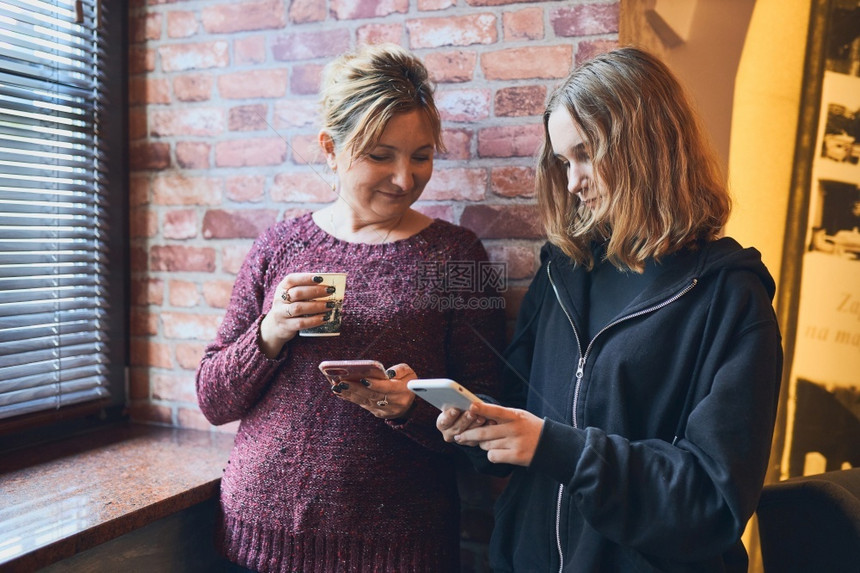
<point>383,393</point>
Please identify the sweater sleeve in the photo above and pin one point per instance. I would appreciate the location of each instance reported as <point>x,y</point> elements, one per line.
<point>475,336</point>
<point>692,499</point>
<point>234,372</point>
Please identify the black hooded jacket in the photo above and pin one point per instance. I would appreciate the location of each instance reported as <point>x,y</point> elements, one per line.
<point>657,431</point>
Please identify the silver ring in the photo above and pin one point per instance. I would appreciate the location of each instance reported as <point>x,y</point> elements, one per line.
<point>285,296</point>
<point>290,314</point>
<point>383,403</point>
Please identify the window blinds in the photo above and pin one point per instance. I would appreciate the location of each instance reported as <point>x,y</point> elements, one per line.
<point>53,225</point>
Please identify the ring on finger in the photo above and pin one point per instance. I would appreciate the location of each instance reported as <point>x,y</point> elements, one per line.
<point>285,296</point>
<point>287,308</point>
<point>383,403</point>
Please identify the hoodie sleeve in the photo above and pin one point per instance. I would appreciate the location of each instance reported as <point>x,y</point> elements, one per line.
<point>516,365</point>
<point>691,499</point>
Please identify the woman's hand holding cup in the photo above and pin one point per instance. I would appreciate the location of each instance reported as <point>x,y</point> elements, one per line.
<point>294,309</point>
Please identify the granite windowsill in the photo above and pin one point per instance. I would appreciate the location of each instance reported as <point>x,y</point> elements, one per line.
<point>66,497</point>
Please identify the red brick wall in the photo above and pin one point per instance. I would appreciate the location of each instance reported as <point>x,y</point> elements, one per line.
<point>223,120</point>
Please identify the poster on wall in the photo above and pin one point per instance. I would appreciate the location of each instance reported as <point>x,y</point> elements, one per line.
<point>823,432</point>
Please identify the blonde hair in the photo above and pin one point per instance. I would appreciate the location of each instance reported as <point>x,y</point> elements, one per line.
<point>663,183</point>
<point>363,89</point>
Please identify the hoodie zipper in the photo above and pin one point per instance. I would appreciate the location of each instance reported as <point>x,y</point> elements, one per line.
<point>580,372</point>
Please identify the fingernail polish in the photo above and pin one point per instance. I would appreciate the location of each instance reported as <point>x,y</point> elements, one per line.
<point>317,279</point>
<point>336,388</point>
<point>327,316</point>
<point>330,304</point>
<point>343,386</point>
<point>330,289</point>
<point>390,372</point>
<point>365,382</point>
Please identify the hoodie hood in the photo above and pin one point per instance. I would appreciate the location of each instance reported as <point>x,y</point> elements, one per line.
<point>679,269</point>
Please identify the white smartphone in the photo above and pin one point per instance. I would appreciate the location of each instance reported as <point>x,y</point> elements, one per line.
<point>443,393</point>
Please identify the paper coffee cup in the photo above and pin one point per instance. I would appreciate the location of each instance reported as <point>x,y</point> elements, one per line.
<point>332,326</point>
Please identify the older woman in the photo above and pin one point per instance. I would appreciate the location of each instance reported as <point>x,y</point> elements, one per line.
<point>357,480</point>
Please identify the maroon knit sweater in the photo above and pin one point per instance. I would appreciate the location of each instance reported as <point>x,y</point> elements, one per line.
<point>315,483</point>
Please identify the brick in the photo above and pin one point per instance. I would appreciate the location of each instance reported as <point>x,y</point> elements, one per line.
<point>358,9</point>
<point>250,50</point>
<point>465,105</point>
<point>510,141</point>
<point>451,66</point>
<point>180,224</point>
<point>458,143</point>
<point>427,5</point>
<point>193,87</point>
<point>245,189</point>
<point>502,221</point>
<point>146,291</point>
<point>190,326</point>
<point>150,413</point>
<point>539,62</point>
<point>140,60</point>
<point>452,31</point>
<point>585,20</point>
<point>138,259</point>
<point>306,79</point>
<point>182,258</point>
<point>498,2</point>
<point>142,323</point>
<point>247,118</point>
<point>174,387</point>
<point>291,113</point>
<point>310,45</point>
<point>186,190</point>
<point>513,181</point>
<point>183,293</point>
<point>148,91</point>
<point>239,223</point>
<point>138,190</point>
<point>253,84</point>
<point>250,152</point>
<point>232,257</point>
<point>205,122</point>
<point>144,28</point>
<point>181,24</point>
<point>146,352</point>
<point>142,222</point>
<point>193,154</point>
<point>301,187</point>
<point>586,50</point>
<point>138,383</point>
<point>201,56</point>
<point>460,184</point>
<point>244,17</point>
<point>147,156</point>
<point>379,33</point>
<point>306,150</point>
<point>435,211</point>
<point>526,24</point>
<point>188,354</point>
<point>217,293</point>
<point>137,123</point>
<point>305,11</point>
<point>519,101</point>
<point>520,262</point>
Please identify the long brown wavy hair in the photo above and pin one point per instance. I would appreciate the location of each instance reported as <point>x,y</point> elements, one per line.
<point>664,189</point>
